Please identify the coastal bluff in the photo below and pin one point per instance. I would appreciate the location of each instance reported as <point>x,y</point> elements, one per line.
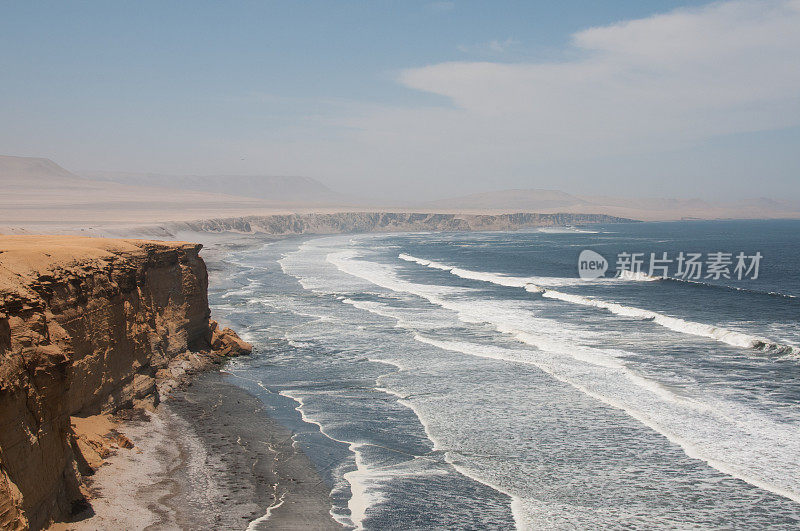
<point>358,222</point>
<point>88,326</point>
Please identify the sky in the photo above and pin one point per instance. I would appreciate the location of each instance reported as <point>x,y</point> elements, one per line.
<point>409,99</point>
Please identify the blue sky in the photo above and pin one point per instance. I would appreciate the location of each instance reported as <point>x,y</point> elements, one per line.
<point>398,99</point>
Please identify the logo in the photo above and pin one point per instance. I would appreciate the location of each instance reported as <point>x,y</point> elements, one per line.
<point>591,265</point>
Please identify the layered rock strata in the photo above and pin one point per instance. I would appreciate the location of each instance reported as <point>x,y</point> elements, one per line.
<point>88,326</point>
<point>352,222</point>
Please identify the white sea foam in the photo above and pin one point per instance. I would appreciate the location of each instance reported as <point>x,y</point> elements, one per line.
<point>366,480</point>
<point>253,526</point>
<point>247,290</point>
<point>362,497</point>
<point>734,443</point>
<point>472,311</point>
<point>516,504</point>
<point>565,230</point>
<point>731,337</point>
<point>733,439</point>
<point>394,363</point>
<point>370,306</point>
<point>378,275</point>
<point>729,437</point>
<point>637,276</point>
<point>529,283</point>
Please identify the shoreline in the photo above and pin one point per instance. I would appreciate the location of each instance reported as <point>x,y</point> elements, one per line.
<point>208,457</point>
<point>115,414</point>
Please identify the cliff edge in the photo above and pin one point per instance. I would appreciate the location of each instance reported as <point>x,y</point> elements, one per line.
<point>87,326</point>
<point>320,222</point>
<point>356,222</point>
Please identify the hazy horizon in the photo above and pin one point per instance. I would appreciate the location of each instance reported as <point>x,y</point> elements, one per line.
<point>414,100</point>
<point>41,191</point>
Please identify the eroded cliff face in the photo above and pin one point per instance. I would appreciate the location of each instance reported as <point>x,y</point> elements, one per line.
<point>345,222</point>
<point>85,326</point>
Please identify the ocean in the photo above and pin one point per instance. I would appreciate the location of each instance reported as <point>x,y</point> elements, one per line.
<point>474,381</point>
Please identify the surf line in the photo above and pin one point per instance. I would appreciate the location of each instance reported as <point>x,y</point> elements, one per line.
<point>730,337</point>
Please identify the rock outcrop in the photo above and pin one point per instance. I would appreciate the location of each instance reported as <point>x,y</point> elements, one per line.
<point>226,342</point>
<point>86,326</point>
<point>346,222</point>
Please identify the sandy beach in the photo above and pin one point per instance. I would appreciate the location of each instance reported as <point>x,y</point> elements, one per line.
<point>208,457</point>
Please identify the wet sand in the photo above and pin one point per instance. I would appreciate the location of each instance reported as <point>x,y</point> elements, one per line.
<point>209,457</point>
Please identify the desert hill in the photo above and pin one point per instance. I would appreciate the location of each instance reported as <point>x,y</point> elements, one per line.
<point>38,192</point>
<point>529,200</point>
<point>648,209</point>
<point>272,189</point>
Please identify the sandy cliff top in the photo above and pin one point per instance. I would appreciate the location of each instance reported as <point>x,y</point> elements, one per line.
<point>24,258</point>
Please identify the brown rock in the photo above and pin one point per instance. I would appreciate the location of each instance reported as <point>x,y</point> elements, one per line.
<point>227,342</point>
<point>86,324</point>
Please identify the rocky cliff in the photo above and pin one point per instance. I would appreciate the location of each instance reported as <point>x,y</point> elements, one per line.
<point>86,325</point>
<point>344,222</point>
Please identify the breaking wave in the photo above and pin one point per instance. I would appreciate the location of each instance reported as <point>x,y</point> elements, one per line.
<point>540,285</point>
<point>637,276</point>
<point>723,435</point>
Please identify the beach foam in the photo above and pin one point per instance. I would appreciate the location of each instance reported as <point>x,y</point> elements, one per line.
<point>725,432</point>
<point>361,496</point>
<point>723,435</point>
<point>536,284</point>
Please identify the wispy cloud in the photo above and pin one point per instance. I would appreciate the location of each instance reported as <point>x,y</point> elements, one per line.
<point>627,91</point>
<point>493,47</point>
<point>669,79</point>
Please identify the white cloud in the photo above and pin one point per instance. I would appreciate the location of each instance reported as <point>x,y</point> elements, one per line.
<point>663,82</point>
<point>608,116</point>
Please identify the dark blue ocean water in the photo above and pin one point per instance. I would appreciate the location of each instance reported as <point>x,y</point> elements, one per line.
<point>472,380</point>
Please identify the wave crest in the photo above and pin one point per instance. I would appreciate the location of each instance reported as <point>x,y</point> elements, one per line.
<point>724,335</point>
